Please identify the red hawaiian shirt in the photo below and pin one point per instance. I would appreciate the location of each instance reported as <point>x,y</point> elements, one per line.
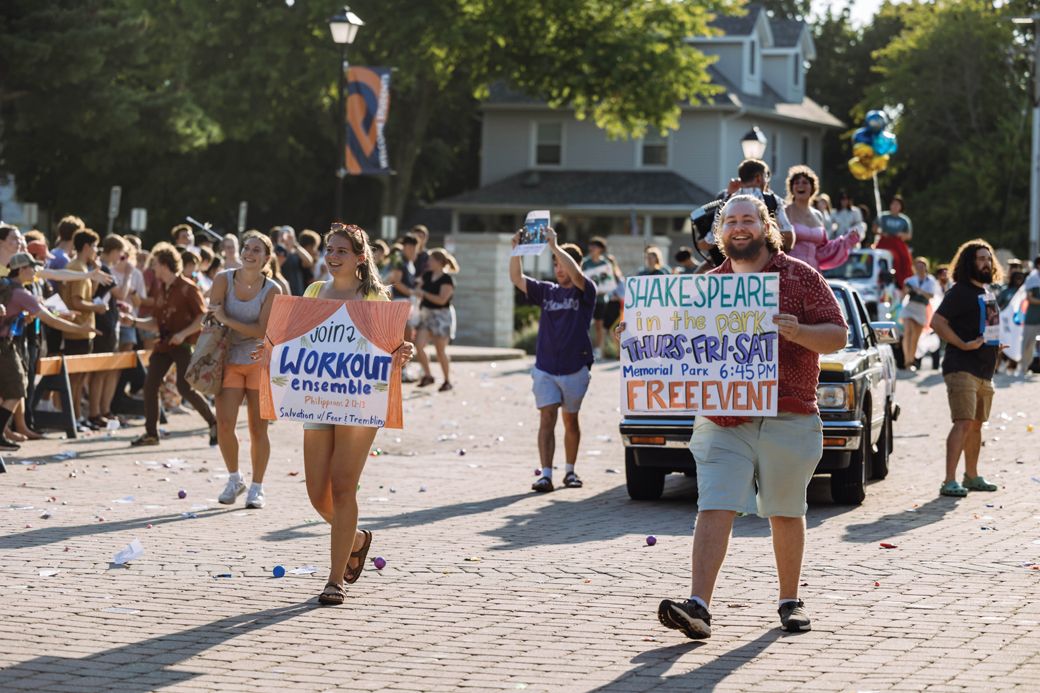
<point>803,293</point>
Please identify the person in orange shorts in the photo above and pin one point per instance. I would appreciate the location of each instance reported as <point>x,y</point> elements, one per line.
<point>241,299</point>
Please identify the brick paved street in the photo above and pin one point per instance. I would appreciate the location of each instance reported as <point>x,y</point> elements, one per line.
<point>490,587</point>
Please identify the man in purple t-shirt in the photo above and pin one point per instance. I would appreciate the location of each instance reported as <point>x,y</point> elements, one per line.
<point>563,354</point>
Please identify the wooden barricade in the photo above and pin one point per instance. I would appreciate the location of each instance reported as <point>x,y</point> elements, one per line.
<point>56,370</point>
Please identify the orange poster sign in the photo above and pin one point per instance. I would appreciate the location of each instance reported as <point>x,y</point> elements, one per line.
<point>329,361</point>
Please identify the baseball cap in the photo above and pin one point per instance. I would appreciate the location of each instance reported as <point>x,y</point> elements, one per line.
<point>38,249</point>
<point>20,260</point>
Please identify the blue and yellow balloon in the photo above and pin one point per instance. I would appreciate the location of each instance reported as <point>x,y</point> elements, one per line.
<point>872,146</point>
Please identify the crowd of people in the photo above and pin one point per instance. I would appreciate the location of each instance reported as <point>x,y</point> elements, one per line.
<point>91,295</point>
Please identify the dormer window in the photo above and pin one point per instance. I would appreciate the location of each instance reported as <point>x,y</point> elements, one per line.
<point>754,57</point>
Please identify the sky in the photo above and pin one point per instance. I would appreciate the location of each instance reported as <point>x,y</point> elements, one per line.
<point>862,10</point>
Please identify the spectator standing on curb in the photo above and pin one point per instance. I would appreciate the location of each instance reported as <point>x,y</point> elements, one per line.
<point>1031,324</point>
<point>775,455</point>
<point>894,230</point>
<point>563,353</point>
<point>436,321</point>
<point>604,273</point>
<point>402,279</point>
<point>79,298</point>
<point>654,260</point>
<point>230,248</point>
<point>293,260</point>
<point>310,242</point>
<point>102,384</point>
<point>241,300</point>
<point>920,289</point>
<point>422,257</point>
<point>969,322</point>
<point>15,302</point>
<point>684,263</point>
<point>178,313</point>
<point>847,218</point>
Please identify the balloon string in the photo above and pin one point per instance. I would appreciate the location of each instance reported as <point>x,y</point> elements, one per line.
<point>877,195</point>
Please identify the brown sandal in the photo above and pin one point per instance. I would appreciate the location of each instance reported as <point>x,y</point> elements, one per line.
<point>333,594</point>
<point>351,576</point>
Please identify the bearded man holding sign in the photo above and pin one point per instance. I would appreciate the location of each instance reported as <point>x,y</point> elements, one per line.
<point>776,455</point>
<point>334,360</point>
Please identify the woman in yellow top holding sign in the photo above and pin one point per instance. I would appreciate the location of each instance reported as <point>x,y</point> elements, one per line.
<point>334,455</point>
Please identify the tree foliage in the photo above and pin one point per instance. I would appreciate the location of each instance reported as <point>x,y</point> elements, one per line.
<point>193,105</point>
<point>963,122</point>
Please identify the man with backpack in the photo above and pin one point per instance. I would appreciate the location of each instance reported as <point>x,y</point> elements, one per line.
<point>752,179</point>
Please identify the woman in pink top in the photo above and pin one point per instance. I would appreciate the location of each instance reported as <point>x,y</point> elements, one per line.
<point>811,243</point>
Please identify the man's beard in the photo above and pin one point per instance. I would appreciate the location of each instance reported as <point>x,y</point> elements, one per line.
<point>985,275</point>
<point>748,252</point>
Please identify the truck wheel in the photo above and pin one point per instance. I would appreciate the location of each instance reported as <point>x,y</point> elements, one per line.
<point>643,483</point>
<point>879,458</point>
<point>849,485</point>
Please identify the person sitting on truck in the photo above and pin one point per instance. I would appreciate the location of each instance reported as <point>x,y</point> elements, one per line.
<point>763,464</point>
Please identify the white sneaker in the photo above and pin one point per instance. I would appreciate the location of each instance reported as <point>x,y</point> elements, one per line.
<point>255,498</point>
<point>233,490</point>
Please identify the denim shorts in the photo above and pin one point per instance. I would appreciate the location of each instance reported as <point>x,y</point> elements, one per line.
<point>763,466</point>
<point>568,390</point>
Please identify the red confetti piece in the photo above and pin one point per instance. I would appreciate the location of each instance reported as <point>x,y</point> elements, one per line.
<point>887,546</point>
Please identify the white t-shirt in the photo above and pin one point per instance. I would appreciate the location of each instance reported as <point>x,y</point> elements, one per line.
<point>848,220</point>
<point>928,285</point>
<point>137,285</point>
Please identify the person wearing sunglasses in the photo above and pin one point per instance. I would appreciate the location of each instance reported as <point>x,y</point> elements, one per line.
<point>102,385</point>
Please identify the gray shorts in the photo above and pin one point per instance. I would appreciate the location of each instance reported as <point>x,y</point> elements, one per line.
<point>762,466</point>
<point>568,390</point>
<point>436,321</point>
<point>313,426</point>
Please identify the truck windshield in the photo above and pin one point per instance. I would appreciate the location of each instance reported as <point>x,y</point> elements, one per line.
<point>860,265</point>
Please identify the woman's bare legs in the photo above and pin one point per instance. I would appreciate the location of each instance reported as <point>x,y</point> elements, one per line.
<point>333,462</point>
<point>422,338</point>
<point>259,442</point>
<point>441,344</point>
<point>228,401</point>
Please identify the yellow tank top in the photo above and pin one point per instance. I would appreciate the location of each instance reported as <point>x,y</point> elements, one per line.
<point>314,289</point>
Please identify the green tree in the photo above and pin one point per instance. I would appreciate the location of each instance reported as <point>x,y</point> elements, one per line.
<point>788,9</point>
<point>963,123</point>
<point>193,105</point>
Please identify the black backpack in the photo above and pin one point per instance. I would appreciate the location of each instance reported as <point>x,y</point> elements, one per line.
<point>702,220</point>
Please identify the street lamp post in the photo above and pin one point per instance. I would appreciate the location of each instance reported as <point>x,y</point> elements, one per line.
<point>344,28</point>
<point>1034,161</point>
<point>754,143</point>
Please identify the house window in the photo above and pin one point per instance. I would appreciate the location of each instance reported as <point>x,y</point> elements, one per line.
<point>754,55</point>
<point>655,150</point>
<point>549,144</point>
<point>805,149</point>
<point>797,68</point>
<point>774,147</point>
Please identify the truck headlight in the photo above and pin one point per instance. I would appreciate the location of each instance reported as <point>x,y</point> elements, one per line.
<point>834,396</point>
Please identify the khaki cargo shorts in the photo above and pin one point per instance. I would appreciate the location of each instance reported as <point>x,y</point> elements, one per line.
<point>763,466</point>
<point>970,397</point>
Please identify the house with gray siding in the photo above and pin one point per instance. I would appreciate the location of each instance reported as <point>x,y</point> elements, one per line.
<point>537,157</point>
